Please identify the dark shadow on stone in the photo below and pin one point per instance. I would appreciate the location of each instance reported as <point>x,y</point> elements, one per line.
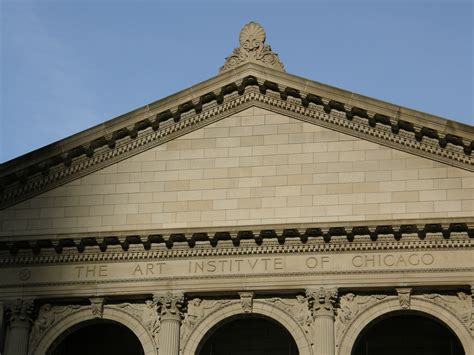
<point>407,334</point>
<point>248,335</point>
<point>97,338</point>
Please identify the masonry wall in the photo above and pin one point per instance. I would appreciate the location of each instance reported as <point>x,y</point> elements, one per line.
<point>256,167</point>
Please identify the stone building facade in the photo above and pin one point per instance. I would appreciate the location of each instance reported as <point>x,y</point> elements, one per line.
<point>257,197</point>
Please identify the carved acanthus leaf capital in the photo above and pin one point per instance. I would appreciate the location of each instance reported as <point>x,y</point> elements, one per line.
<point>170,305</point>
<point>322,301</point>
<point>252,49</point>
<point>19,310</point>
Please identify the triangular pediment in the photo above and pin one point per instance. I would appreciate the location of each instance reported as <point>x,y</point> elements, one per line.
<point>255,166</point>
<point>248,85</point>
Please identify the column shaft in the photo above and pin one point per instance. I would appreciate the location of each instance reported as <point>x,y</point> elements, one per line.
<point>17,337</point>
<point>324,335</point>
<point>169,336</point>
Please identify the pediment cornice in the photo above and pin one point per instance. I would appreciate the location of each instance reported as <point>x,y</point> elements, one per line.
<point>235,90</point>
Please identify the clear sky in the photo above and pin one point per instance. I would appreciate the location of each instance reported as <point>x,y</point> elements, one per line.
<point>67,65</point>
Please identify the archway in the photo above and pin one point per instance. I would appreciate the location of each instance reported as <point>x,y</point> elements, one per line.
<point>418,306</point>
<point>408,333</point>
<point>248,335</point>
<point>84,316</point>
<point>234,310</point>
<point>99,337</point>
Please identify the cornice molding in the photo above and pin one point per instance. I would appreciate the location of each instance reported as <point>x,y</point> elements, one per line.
<point>241,92</point>
<point>245,240</point>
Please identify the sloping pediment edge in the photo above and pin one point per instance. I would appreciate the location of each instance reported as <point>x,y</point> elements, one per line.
<point>244,88</point>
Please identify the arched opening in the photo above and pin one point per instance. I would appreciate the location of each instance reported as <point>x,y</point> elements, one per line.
<point>248,335</point>
<point>97,338</point>
<point>409,334</point>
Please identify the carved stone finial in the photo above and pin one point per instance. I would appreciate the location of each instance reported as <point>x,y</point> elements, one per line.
<point>322,301</point>
<point>97,306</point>
<point>404,297</point>
<point>252,49</point>
<point>170,305</point>
<point>246,300</point>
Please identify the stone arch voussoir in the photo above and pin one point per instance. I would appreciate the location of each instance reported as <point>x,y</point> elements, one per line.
<point>446,316</point>
<point>85,314</point>
<point>259,308</point>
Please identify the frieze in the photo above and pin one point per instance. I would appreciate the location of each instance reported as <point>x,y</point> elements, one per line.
<point>235,266</point>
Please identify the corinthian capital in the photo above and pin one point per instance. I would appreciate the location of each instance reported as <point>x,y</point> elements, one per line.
<point>322,301</point>
<point>170,304</point>
<point>19,310</point>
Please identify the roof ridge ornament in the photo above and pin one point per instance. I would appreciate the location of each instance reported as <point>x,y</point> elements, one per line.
<point>252,50</point>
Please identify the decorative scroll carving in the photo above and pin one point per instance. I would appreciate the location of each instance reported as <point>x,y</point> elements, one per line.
<point>48,315</point>
<point>246,300</point>
<point>197,309</point>
<point>297,307</point>
<point>460,304</point>
<point>404,295</point>
<point>252,49</point>
<point>97,306</point>
<point>322,301</point>
<point>471,326</point>
<point>170,305</point>
<point>350,306</point>
<point>145,312</point>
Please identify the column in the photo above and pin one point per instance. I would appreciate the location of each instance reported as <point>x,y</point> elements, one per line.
<point>169,307</point>
<point>19,325</point>
<point>321,302</point>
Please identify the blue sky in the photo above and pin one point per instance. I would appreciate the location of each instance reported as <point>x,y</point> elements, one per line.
<point>71,64</point>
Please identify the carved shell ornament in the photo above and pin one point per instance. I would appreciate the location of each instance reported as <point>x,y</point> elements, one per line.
<point>252,49</point>
<point>252,37</point>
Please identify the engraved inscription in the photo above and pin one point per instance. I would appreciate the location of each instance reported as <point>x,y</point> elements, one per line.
<point>314,262</point>
<point>148,269</point>
<point>389,260</point>
<point>91,271</point>
<point>236,265</point>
